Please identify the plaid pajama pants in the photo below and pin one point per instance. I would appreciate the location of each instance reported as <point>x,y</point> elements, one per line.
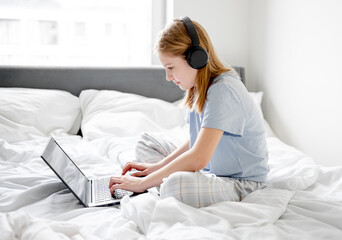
<point>201,189</point>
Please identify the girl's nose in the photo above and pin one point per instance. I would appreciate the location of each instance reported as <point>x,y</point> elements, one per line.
<point>169,76</point>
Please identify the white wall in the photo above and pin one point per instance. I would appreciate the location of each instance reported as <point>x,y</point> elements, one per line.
<point>226,22</point>
<point>295,57</point>
<point>292,50</point>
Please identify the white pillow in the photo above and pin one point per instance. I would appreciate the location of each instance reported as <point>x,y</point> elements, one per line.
<point>257,97</point>
<point>27,113</point>
<point>118,114</point>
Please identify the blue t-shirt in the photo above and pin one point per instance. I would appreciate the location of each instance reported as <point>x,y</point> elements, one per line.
<point>242,150</point>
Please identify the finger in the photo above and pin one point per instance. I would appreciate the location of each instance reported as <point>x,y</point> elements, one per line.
<point>114,187</point>
<point>125,170</point>
<point>114,180</point>
<point>131,165</point>
<point>128,167</point>
<point>137,166</point>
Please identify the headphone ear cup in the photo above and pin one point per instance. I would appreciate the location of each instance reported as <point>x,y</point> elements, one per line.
<point>197,57</point>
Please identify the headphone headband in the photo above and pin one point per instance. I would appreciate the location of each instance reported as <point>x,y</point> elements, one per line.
<point>196,56</point>
<point>191,30</point>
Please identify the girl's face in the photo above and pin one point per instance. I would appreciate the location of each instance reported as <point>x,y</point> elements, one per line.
<point>178,71</point>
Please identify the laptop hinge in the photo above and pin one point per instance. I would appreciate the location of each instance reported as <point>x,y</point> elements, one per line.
<point>90,191</point>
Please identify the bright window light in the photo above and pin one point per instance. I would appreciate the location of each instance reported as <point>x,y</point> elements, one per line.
<point>76,33</point>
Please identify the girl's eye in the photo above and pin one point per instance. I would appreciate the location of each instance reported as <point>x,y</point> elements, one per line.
<point>170,68</point>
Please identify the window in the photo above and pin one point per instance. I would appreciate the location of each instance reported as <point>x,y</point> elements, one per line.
<point>48,32</point>
<point>9,30</point>
<point>75,32</point>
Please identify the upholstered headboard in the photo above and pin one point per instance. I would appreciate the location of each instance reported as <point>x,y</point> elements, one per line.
<point>146,81</point>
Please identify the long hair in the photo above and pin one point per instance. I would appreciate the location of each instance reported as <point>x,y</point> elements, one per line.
<point>174,40</point>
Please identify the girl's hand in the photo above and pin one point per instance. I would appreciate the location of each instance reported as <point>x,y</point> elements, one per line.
<point>144,169</point>
<point>129,183</point>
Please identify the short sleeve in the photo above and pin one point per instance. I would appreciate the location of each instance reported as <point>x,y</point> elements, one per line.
<point>187,116</point>
<point>223,110</point>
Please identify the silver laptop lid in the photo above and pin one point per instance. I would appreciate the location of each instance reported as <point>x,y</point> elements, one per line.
<point>66,170</point>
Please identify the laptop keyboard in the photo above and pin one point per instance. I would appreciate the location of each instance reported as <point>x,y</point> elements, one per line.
<point>103,194</point>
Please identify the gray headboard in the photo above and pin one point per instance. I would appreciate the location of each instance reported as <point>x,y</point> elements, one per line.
<point>146,81</point>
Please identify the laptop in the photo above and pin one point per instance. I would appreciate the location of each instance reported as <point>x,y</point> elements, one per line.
<point>90,192</point>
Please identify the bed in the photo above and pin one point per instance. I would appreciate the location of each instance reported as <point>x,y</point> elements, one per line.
<point>99,116</point>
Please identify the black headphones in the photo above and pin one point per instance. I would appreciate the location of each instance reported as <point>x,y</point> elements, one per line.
<point>196,56</point>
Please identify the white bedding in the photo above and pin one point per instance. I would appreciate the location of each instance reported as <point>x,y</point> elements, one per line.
<point>303,200</point>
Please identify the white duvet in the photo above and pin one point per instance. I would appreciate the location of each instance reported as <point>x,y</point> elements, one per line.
<point>303,200</point>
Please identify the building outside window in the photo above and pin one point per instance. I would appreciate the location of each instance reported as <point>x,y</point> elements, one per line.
<point>74,32</point>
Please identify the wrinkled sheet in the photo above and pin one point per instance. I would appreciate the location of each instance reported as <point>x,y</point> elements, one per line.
<point>303,200</point>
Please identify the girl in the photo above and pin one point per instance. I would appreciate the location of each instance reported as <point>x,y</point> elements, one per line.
<point>226,155</point>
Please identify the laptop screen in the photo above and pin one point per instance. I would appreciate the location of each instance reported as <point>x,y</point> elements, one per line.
<point>65,169</point>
